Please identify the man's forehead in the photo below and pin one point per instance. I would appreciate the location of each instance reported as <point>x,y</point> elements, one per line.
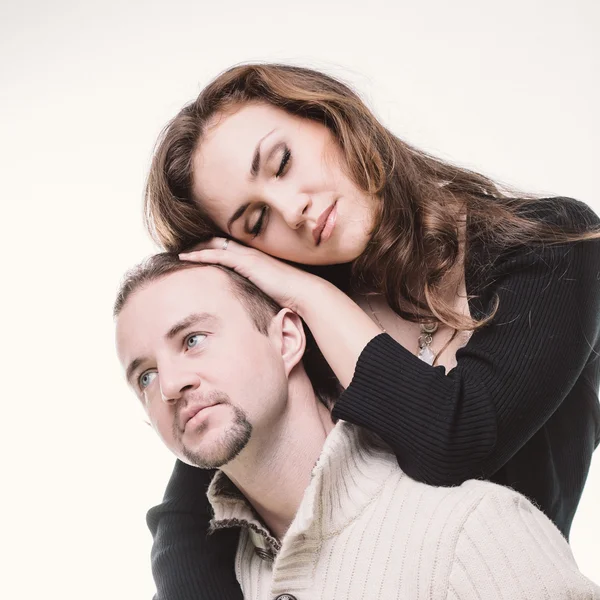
<point>159,304</point>
<point>161,309</point>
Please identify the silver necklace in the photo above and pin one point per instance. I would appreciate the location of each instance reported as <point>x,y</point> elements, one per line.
<point>427,332</point>
<point>425,339</point>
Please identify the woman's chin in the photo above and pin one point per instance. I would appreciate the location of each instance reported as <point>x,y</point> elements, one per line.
<point>340,250</point>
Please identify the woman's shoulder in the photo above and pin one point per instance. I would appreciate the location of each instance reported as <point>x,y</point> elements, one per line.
<point>563,212</point>
<point>487,263</point>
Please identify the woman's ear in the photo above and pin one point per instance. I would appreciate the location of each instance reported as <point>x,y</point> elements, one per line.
<point>288,329</point>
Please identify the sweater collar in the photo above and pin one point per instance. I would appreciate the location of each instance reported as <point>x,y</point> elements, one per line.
<point>350,472</point>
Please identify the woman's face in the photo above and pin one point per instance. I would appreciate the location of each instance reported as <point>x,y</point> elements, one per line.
<point>276,182</point>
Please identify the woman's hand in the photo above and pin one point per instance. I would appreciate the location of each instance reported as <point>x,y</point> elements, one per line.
<point>340,327</point>
<point>287,285</point>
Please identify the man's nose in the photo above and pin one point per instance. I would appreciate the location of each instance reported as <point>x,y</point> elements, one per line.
<point>175,380</point>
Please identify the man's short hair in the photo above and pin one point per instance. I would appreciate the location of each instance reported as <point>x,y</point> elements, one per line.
<point>261,308</point>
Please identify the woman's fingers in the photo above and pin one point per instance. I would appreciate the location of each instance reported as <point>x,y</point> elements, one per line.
<point>211,255</point>
<point>216,243</point>
<point>284,283</point>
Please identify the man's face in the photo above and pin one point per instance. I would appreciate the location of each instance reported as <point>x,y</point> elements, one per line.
<point>207,378</point>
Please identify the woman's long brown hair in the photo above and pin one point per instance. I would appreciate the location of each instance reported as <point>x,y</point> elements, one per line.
<point>415,251</point>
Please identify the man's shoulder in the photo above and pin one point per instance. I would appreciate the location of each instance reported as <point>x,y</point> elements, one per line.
<point>474,504</point>
<point>448,508</point>
<point>502,518</point>
<point>484,496</point>
<point>507,541</point>
<point>480,520</point>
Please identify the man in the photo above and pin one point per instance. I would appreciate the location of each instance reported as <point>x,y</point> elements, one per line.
<point>323,508</point>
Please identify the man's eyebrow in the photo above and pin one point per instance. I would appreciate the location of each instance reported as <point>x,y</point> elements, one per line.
<point>132,368</point>
<point>193,319</point>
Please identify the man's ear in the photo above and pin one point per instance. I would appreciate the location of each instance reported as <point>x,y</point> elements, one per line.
<point>288,328</point>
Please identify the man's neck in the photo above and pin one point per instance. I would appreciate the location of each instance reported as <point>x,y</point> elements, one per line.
<point>273,473</point>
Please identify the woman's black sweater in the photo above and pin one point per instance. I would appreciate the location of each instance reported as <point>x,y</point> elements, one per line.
<point>519,409</point>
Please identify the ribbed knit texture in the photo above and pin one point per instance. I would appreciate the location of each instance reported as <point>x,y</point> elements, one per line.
<point>520,408</point>
<point>366,530</point>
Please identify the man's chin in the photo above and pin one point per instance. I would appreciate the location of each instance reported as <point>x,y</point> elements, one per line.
<point>216,449</point>
<point>212,459</point>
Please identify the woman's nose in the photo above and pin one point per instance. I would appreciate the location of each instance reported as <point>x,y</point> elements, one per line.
<point>295,210</point>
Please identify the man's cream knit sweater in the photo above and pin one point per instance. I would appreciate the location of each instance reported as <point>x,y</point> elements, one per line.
<point>365,530</point>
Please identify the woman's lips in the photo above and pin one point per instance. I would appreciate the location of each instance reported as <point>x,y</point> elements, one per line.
<point>325,224</point>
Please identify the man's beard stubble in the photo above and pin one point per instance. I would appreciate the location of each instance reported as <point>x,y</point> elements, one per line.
<point>225,449</point>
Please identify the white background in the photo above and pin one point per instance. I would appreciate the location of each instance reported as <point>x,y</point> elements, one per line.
<point>509,88</point>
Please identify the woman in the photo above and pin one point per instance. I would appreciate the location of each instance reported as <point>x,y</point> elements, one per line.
<point>288,162</point>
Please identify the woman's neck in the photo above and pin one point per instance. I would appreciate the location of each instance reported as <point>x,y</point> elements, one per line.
<point>445,342</point>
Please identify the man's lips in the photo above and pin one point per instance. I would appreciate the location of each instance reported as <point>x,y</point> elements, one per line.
<point>188,413</point>
<point>321,222</point>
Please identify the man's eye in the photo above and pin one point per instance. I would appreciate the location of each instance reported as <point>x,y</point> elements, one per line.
<point>146,378</point>
<point>285,159</point>
<point>194,340</point>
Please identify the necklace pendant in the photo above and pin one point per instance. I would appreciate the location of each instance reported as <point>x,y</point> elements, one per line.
<point>426,355</point>
<point>425,352</point>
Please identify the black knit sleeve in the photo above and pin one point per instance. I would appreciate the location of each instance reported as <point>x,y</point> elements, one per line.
<point>509,378</point>
<point>187,562</point>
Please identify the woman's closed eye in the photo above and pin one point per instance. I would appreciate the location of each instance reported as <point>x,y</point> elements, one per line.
<point>285,160</point>
<point>258,227</point>
<point>261,222</point>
